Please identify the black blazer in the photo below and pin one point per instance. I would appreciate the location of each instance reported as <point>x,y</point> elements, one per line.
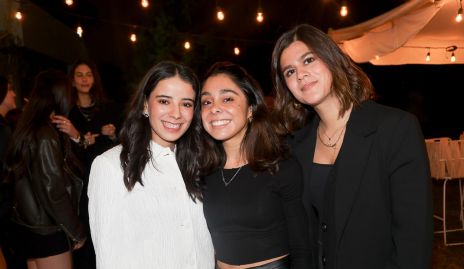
<point>378,200</point>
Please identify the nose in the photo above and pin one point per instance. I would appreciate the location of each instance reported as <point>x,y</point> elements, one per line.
<point>301,74</point>
<point>175,112</point>
<point>216,108</point>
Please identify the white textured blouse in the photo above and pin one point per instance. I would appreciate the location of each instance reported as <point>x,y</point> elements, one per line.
<point>156,225</point>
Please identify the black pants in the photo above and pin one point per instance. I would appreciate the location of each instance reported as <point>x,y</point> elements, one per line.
<point>283,263</point>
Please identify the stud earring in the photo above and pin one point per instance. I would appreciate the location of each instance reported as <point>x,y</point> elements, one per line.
<point>145,114</point>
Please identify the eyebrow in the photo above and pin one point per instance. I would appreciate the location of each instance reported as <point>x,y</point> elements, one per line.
<point>170,97</point>
<point>300,59</point>
<point>222,91</point>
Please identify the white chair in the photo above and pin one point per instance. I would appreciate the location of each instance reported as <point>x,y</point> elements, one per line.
<point>446,159</point>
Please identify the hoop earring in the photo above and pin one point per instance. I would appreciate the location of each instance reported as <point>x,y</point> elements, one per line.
<point>145,114</point>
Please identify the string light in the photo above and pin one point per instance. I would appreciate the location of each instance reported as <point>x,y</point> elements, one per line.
<point>237,51</point>
<point>220,14</point>
<point>187,45</point>
<point>459,15</point>
<point>259,17</point>
<point>427,57</point>
<point>344,10</point>
<point>133,38</point>
<point>453,57</point>
<point>69,2</point>
<point>144,3</point>
<point>79,31</point>
<point>18,15</point>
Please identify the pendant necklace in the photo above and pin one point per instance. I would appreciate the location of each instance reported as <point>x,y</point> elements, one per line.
<point>227,182</point>
<point>330,145</point>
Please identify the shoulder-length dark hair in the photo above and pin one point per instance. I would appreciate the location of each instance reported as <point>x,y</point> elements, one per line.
<point>96,92</point>
<point>349,83</point>
<point>51,93</point>
<point>136,131</point>
<point>261,145</point>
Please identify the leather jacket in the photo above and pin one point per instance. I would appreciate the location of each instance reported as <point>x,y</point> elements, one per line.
<point>46,199</point>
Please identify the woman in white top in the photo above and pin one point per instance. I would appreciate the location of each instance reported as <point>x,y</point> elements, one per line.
<point>144,198</point>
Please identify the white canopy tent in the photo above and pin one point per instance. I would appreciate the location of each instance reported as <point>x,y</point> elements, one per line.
<point>406,34</point>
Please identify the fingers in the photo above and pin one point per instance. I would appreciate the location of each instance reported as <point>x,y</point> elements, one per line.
<point>63,124</point>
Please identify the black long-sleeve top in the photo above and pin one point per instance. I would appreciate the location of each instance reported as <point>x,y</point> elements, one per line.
<point>257,216</point>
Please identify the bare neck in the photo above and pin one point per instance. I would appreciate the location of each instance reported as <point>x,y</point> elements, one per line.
<point>84,100</point>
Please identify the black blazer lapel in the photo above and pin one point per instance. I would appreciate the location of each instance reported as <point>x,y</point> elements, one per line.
<point>303,144</point>
<point>351,164</point>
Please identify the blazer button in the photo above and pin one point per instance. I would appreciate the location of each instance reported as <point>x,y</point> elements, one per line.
<point>324,260</point>
<point>324,227</point>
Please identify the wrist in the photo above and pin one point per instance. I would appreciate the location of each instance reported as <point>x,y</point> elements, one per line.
<point>77,138</point>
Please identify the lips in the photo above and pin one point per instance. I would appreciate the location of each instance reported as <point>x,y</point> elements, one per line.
<point>218,123</point>
<point>308,86</point>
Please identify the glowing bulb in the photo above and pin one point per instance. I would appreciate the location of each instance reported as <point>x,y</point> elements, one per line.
<point>377,57</point>
<point>453,58</point>
<point>79,31</point>
<point>427,58</point>
<point>69,2</point>
<point>459,15</point>
<point>133,38</point>
<point>220,15</point>
<point>145,3</point>
<point>344,11</point>
<point>18,15</point>
<point>259,17</point>
<point>187,45</point>
<point>236,51</point>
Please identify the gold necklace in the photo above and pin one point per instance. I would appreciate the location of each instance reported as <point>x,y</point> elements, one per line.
<point>330,145</point>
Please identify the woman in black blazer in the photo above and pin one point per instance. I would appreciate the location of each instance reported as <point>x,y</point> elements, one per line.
<point>367,184</point>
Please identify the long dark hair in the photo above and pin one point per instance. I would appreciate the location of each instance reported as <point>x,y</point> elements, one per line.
<point>51,93</point>
<point>261,146</point>
<point>96,92</point>
<point>349,83</point>
<point>136,131</point>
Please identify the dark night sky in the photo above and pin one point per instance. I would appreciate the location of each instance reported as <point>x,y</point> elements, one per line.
<point>430,92</point>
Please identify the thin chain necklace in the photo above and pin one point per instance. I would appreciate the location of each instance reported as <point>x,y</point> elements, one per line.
<point>334,144</point>
<point>227,182</point>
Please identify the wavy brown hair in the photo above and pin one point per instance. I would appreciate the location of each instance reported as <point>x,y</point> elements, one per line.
<point>349,83</point>
<point>261,145</point>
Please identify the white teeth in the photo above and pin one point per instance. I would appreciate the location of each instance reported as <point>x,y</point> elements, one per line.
<point>171,125</point>
<point>220,122</point>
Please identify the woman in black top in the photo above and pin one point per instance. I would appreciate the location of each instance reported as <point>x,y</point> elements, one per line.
<point>252,197</point>
<point>367,184</point>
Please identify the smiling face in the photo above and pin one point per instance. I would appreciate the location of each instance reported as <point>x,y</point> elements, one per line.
<point>83,79</point>
<point>307,77</point>
<point>224,109</point>
<point>170,107</point>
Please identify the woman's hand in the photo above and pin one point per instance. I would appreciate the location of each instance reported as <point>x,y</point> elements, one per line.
<point>65,125</point>
<point>109,130</point>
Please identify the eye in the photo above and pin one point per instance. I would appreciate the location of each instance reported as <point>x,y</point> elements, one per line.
<point>228,99</point>
<point>289,72</point>
<point>309,60</point>
<point>188,104</point>
<point>163,101</point>
<point>205,102</point>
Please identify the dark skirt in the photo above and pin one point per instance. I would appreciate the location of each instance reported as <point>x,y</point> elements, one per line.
<point>33,245</point>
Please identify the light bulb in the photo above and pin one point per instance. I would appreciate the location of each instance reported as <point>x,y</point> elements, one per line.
<point>133,38</point>
<point>236,51</point>
<point>145,3</point>
<point>220,15</point>
<point>427,58</point>
<point>259,17</point>
<point>187,45</point>
<point>79,31</point>
<point>19,15</point>
<point>69,2</point>
<point>453,58</point>
<point>344,11</point>
<point>459,15</point>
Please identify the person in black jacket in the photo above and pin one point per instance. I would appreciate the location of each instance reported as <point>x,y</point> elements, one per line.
<point>44,172</point>
<point>367,184</point>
